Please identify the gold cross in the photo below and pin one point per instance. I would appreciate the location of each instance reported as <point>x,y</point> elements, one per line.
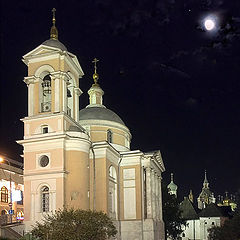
<point>95,64</point>
<point>54,19</point>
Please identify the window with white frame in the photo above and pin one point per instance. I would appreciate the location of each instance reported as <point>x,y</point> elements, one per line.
<point>4,194</point>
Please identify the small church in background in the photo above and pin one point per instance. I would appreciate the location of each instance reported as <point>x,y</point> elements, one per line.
<point>82,159</point>
<point>206,214</point>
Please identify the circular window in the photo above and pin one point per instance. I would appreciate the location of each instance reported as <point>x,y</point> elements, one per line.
<point>44,161</point>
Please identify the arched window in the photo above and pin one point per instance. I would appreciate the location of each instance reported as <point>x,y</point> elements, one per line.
<point>109,136</point>
<point>3,212</point>
<point>46,94</point>
<point>4,194</point>
<point>45,199</point>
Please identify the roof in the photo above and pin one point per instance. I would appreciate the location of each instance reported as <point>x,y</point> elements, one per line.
<point>55,43</point>
<point>212,210</point>
<point>189,211</point>
<point>75,129</point>
<point>99,113</point>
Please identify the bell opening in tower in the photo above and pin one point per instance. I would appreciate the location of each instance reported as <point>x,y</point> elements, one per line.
<point>46,94</point>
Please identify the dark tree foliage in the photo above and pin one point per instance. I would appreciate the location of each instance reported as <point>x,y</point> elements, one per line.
<point>230,229</point>
<point>75,224</point>
<point>171,214</point>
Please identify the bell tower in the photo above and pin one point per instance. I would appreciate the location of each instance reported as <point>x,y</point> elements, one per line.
<point>53,78</point>
<point>56,147</point>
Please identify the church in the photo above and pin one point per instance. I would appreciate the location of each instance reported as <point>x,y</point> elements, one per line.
<point>82,159</point>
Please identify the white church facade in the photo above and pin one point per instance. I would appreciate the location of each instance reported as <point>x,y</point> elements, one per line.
<point>82,159</point>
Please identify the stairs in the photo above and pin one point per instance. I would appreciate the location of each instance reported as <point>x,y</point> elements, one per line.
<point>11,231</point>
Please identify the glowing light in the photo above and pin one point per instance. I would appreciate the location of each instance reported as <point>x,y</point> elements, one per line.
<point>209,24</point>
<point>16,195</point>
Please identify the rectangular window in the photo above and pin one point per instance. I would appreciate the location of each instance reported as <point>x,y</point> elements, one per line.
<point>45,130</point>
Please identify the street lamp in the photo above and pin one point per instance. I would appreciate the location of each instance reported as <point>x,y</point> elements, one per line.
<point>10,176</point>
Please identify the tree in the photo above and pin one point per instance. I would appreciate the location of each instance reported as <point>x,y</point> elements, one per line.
<point>230,230</point>
<point>171,214</point>
<point>75,224</point>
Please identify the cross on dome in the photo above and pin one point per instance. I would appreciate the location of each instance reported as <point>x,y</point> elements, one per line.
<point>54,31</point>
<point>95,75</point>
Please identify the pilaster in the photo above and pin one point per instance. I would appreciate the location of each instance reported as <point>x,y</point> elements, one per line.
<point>149,192</point>
<point>153,193</point>
<point>160,197</point>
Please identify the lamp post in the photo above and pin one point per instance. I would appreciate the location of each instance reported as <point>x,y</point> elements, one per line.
<point>10,178</point>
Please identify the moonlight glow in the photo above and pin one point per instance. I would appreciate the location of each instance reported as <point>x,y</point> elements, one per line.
<point>209,24</point>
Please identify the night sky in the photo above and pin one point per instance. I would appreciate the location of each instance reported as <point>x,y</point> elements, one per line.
<point>174,84</point>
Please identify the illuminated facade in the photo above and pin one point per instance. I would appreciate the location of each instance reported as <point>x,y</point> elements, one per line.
<point>11,191</point>
<point>206,196</point>
<point>83,159</point>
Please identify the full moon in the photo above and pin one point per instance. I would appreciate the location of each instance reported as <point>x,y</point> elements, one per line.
<point>209,24</point>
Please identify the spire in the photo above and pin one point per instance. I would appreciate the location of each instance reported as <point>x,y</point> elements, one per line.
<point>172,177</point>
<point>54,31</point>
<point>205,183</point>
<point>190,196</point>
<point>95,75</point>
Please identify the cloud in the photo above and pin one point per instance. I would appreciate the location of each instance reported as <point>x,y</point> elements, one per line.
<point>179,54</point>
<point>169,69</point>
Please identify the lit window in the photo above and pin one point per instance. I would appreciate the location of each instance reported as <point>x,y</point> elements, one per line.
<point>45,199</point>
<point>4,194</point>
<point>109,136</point>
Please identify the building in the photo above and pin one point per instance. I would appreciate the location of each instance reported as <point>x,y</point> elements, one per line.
<point>199,221</point>
<point>172,187</point>
<point>11,186</point>
<point>206,196</point>
<point>83,159</point>
<point>227,201</point>
<point>200,218</point>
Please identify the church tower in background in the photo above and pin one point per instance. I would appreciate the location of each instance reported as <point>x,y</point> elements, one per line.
<point>206,196</point>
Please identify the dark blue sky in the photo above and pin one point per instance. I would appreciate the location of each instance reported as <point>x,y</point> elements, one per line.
<point>174,85</point>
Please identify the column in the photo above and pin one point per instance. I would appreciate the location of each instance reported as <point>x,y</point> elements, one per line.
<point>160,197</point>
<point>64,94</point>
<point>157,196</point>
<point>33,206</point>
<point>54,201</point>
<point>57,94</point>
<point>77,93</point>
<point>153,193</point>
<point>30,99</point>
<point>149,192</point>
